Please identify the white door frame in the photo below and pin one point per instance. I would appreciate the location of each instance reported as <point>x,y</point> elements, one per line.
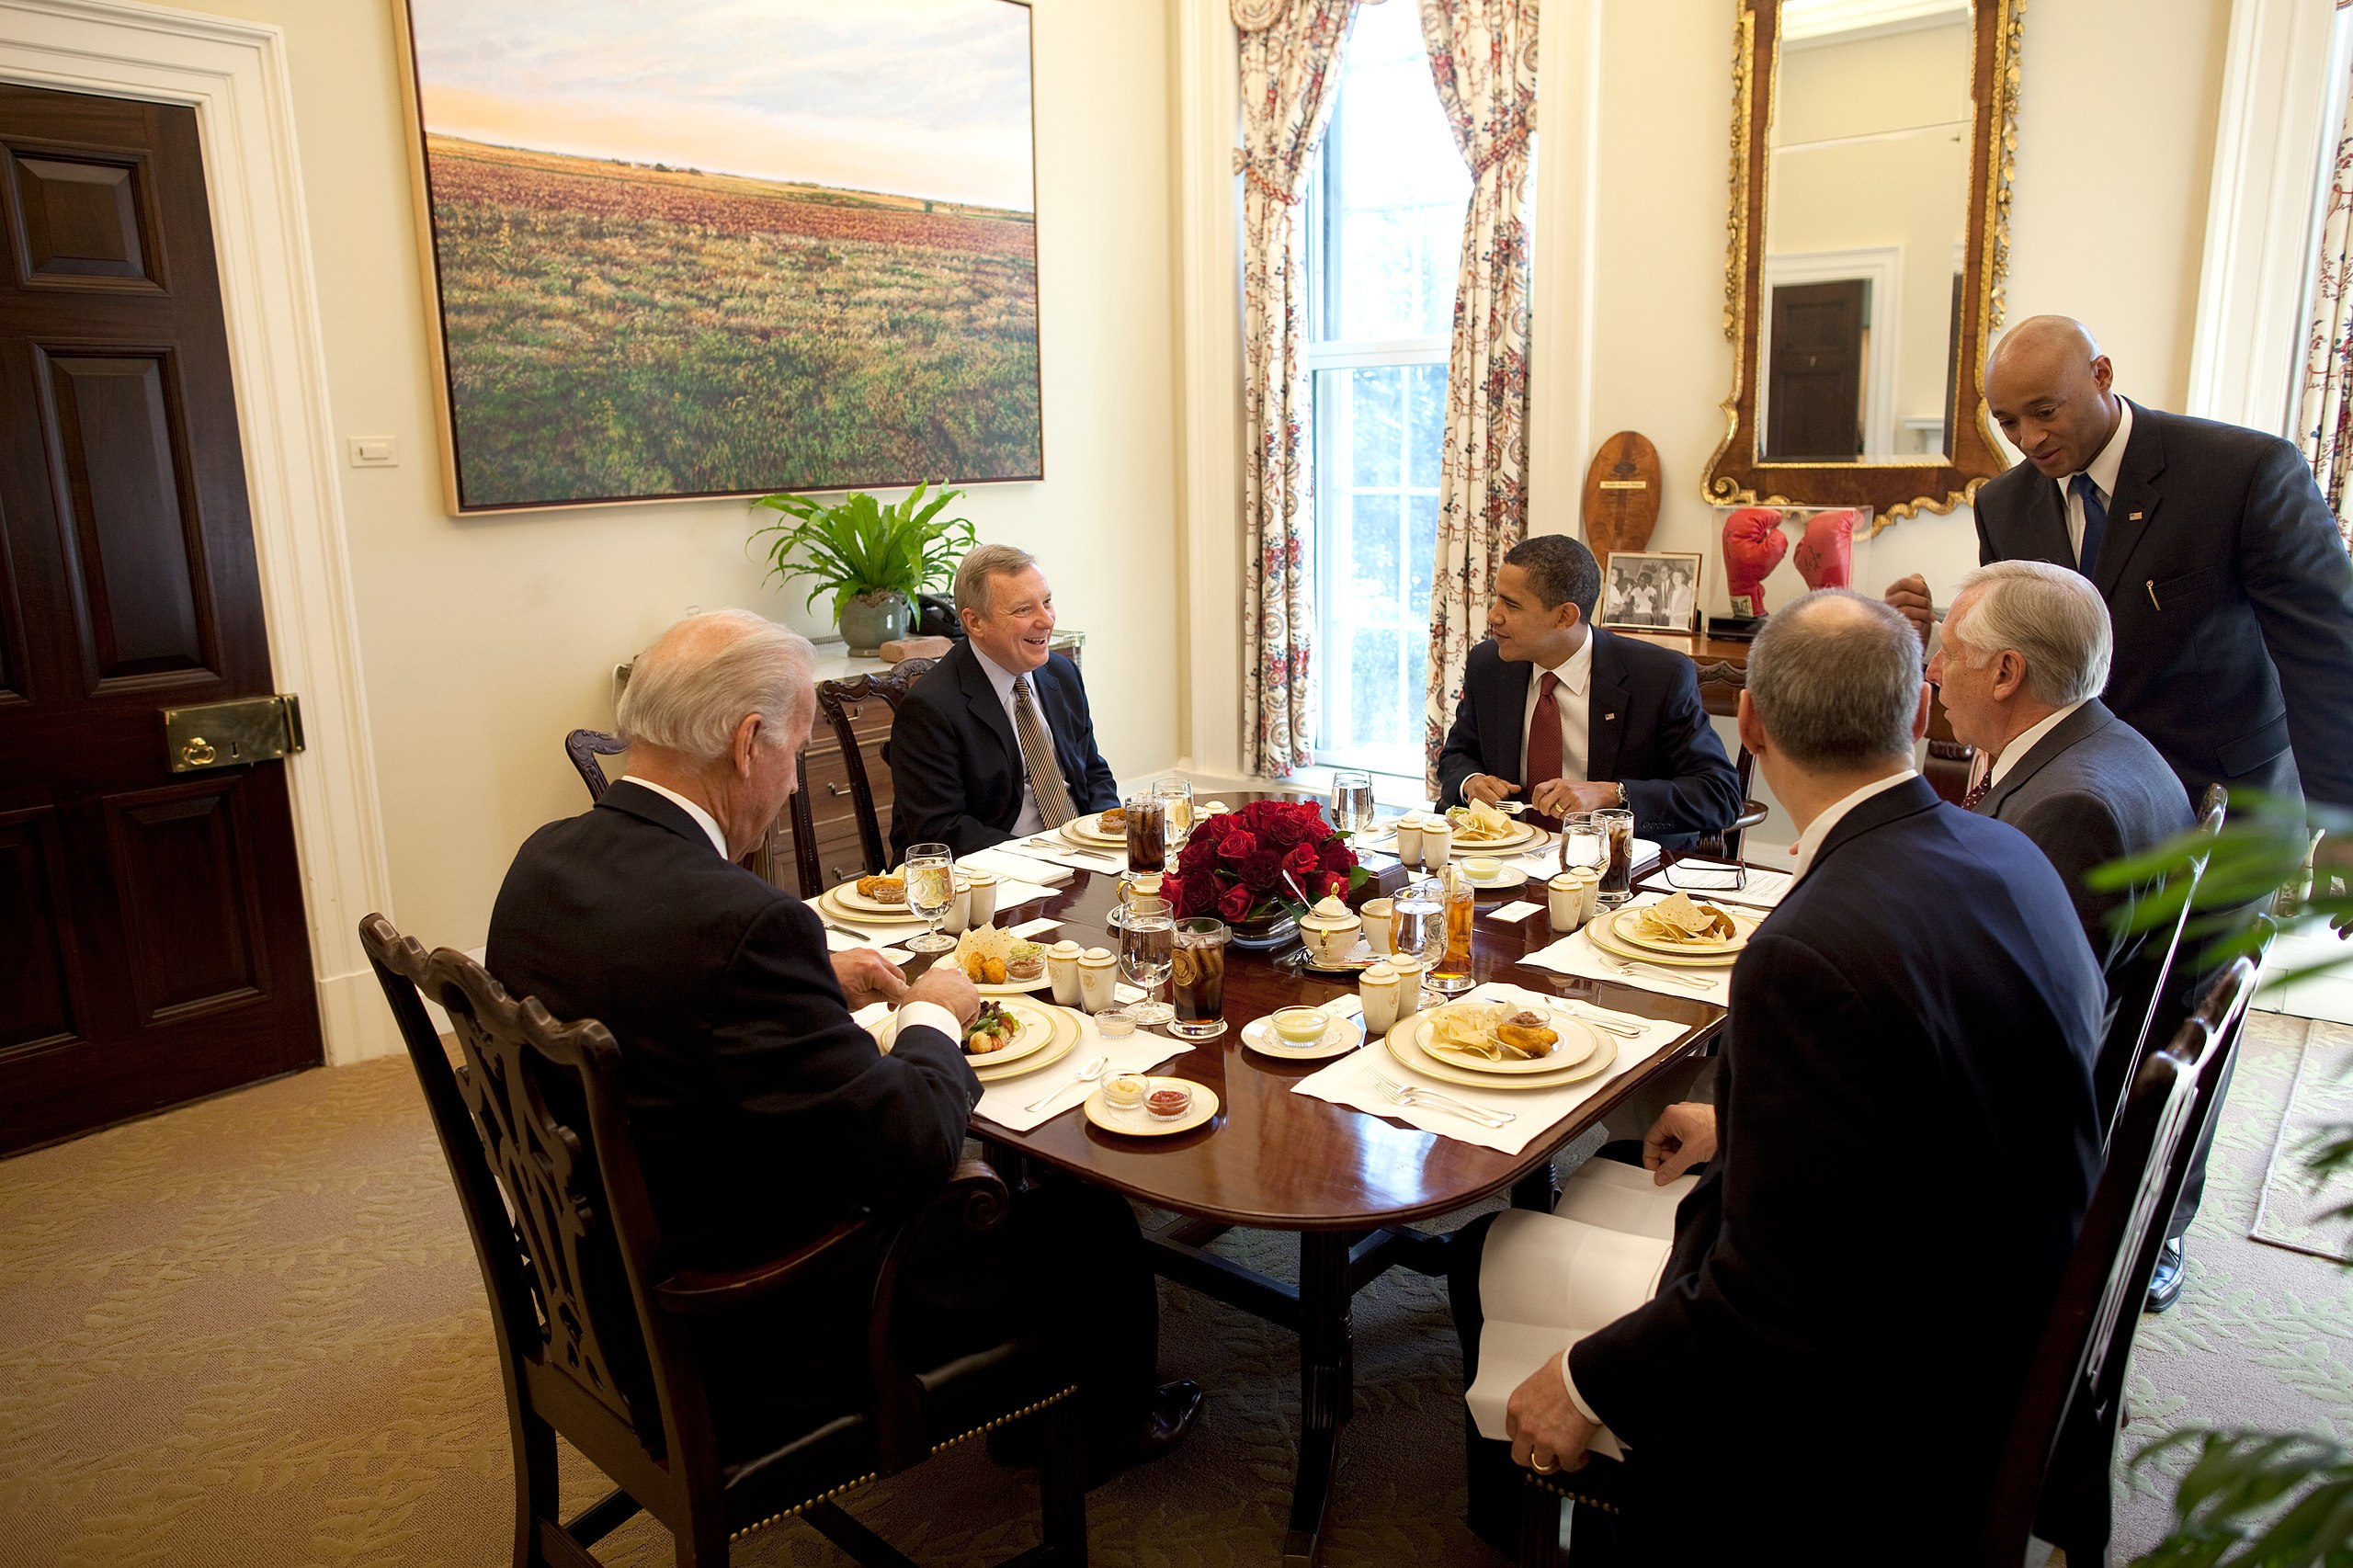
<point>233,74</point>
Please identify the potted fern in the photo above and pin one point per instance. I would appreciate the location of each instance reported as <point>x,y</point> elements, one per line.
<point>874,559</point>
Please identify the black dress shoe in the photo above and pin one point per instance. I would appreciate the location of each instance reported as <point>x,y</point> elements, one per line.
<point>2165,1283</point>
<point>1174,1409</point>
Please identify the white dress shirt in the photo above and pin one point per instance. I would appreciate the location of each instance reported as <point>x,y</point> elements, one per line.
<point>2024,740</point>
<point>1809,842</point>
<point>910,1015</point>
<point>1002,680</point>
<point>1576,673</point>
<point>2103,471</point>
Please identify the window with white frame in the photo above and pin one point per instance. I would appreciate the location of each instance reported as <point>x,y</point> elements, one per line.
<point>1386,197</point>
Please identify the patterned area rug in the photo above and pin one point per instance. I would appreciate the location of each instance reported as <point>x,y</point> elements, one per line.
<point>249,1333</point>
<point>2295,1211</point>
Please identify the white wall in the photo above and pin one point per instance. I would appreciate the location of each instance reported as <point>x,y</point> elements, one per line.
<point>485,639</point>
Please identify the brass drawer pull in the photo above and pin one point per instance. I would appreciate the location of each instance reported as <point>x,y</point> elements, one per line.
<point>838,790</point>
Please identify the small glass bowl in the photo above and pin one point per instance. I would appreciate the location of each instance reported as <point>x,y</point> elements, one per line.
<point>1115,1023</point>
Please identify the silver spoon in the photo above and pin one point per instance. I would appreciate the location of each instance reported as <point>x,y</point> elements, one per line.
<point>1086,1074</point>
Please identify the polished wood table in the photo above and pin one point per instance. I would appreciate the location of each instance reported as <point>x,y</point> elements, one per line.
<point>1345,1182</point>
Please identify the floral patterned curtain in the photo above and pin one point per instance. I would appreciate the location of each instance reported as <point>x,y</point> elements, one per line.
<point>2325,413</point>
<point>1483,53</point>
<point>1291,76</point>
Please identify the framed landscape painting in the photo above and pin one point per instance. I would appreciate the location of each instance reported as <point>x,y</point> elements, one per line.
<point>712,248</point>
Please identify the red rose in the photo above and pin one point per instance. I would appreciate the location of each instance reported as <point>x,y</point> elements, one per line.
<point>1283,831</point>
<point>1334,885</point>
<point>1303,862</point>
<point>1258,871</point>
<point>1237,845</point>
<point>1235,903</point>
<point>1336,855</point>
<point>1199,856</point>
<point>1196,895</point>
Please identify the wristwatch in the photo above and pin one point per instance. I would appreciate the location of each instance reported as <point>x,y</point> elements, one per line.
<point>1623,803</point>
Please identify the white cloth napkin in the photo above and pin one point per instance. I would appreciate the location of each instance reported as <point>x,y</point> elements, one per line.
<point>1008,1103</point>
<point>1055,851</point>
<point>838,943</point>
<point>1535,1112</point>
<point>1576,954</point>
<point>1001,862</point>
<point>1013,892</point>
<point>1762,889</point>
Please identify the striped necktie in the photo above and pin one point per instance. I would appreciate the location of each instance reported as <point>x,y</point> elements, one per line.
<point>1038,758</point>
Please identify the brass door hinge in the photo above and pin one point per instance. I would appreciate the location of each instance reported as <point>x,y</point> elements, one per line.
<point>231,735</point>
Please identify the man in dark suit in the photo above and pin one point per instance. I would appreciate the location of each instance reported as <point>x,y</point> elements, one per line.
<point>1909,1063</point>
<point>2026,652</point>
<point>764,1114</point>
<point>1571,717</point>
<point>997,741</point>
<point>2224,574</point>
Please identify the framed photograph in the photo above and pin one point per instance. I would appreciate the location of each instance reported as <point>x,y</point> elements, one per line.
<point>705,248</point>
<point>1649,590</point>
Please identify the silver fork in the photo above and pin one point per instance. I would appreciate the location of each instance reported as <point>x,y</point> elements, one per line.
<point>1606,1026</point>
<point>1408,1094</point>
<point>1061,848</point>
<point>1665,974</point>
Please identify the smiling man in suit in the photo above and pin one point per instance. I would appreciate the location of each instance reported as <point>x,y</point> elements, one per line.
<point>1569,718</point>
<point>997,741</point>
<point>2225,579</point>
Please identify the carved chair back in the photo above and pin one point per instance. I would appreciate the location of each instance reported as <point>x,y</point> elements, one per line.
<point>838,703</point>
<point>2054,1473</point>
<point>533,1125</point>
<point>1731,679</point>
<point>583,747</point>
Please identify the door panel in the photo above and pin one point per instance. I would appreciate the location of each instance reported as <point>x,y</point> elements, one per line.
<point>153,943</point>
<point>138,580</point>
<point>1814,402</point>
<point>80,222</point>
<point>36,998</point>
<point>183,873</point>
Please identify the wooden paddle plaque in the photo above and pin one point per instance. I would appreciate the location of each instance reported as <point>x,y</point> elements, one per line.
<point>1622,494</point>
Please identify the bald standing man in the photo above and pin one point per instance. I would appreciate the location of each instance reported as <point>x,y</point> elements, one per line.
<point>2224,574</point>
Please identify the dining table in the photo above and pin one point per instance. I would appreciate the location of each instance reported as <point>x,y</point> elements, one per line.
<point>1348,1184</point>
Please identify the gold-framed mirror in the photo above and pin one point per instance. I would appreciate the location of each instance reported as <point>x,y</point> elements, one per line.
<point>1872,148</point>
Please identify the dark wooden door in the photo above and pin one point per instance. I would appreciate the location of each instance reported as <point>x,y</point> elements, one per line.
<point>153,946</point>
<point>1814,403</point>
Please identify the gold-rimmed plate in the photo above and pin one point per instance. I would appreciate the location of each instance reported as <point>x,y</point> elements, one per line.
<point>1089,830</point>
<point>1141,1123</point>
<point>1622,927</point>
<point>1578,1041</point>
<point>992,1068</point>
<point>899,915</point>
<point>1602,931</point>
<point>1342,1034</point>
<point>1400,1044</point>
<point>1036,1033</point>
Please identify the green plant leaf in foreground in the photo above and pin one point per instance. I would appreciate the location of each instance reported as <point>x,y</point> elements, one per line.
<point>2257,1500</point>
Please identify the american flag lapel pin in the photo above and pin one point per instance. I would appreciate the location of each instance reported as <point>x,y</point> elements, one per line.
<point>2134,517</point>
<point>1608,717</point>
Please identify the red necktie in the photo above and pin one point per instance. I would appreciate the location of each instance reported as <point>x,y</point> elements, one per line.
<point>1543,756</point>
<point>1977,792</point>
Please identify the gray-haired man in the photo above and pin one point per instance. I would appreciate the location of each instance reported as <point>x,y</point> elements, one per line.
<point>996,740</point>
<point>2025,656</point>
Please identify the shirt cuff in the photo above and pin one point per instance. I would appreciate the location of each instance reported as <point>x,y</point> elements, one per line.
<point>1576,1398</point>
<point>929,1015</point>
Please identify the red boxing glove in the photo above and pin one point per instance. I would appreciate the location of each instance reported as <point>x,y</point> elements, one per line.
<point>1754,545</point>
<point>1827,553</point>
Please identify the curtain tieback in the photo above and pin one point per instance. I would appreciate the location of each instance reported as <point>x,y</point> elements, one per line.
<point>1254,171</point>
<point>1513,139</point>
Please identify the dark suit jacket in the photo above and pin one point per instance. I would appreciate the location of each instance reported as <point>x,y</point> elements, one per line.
<point>956,770</point>
<point>1903,1103</point>
<point>1645,727</point>
<point>2091,790</point>
<point>2231,597</point>
<point>762,1112</point>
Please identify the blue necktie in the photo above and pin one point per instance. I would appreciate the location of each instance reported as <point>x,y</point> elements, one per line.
<point>2094,522</point>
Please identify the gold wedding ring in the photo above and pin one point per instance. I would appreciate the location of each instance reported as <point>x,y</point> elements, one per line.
<point>1543,1468</point>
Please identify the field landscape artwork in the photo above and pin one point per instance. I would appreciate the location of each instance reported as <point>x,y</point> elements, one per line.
<point>713,248</point>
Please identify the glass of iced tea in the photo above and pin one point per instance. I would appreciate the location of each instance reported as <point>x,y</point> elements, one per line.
<point>1147,834</point>
<point>1197,979</point>
<point>1617,831</point>
<point>1450,975</point>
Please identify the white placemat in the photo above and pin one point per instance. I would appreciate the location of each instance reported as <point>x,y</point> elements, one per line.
<point>1008,1103</point>
<point>1002,862</point>
<point>1576,954</point>
<point>838,943</point>
<point>1534,1112</point>
<point>1015,893</point>
<point>1762,890</point>
<point>1053,849</point>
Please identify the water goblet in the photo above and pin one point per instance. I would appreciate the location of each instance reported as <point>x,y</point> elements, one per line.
<point>1147,943</point>
<point>931,892</point>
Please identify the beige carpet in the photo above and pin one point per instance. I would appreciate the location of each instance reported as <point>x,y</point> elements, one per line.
<point>250,1332</point>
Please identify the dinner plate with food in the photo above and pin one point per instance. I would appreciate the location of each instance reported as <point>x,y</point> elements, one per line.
<point>1680,924</point>
<point>1000,1034</point>
<point>1610,931</point>
<point>1100,829</point>
<point>1141,1106</point>
<point>1501,1045</point>
<point>885,895</point>
<point>998,962</point>
<point>1479,827</point>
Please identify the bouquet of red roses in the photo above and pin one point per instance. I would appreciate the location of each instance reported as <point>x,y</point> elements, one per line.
<point>1232,866</point>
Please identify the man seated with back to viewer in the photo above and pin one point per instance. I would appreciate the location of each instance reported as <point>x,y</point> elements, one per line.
<point>2024,655</point>
<point>1905,1083</point>
<point>1569,718</point>
<point>764,1114</point>
<point>997,741</point>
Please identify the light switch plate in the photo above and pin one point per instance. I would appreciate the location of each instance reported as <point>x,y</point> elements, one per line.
<point>373,451</point>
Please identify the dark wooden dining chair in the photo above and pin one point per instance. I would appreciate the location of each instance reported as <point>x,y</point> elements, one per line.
<point>593,1318</point>
<point>2055,1468</point>
<point>584,746</point>
<point>2144,997</point>
<point>1726,844</point>
<point>838,703</point>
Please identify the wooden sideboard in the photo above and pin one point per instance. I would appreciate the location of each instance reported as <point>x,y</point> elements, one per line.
<point>1723,676</point>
